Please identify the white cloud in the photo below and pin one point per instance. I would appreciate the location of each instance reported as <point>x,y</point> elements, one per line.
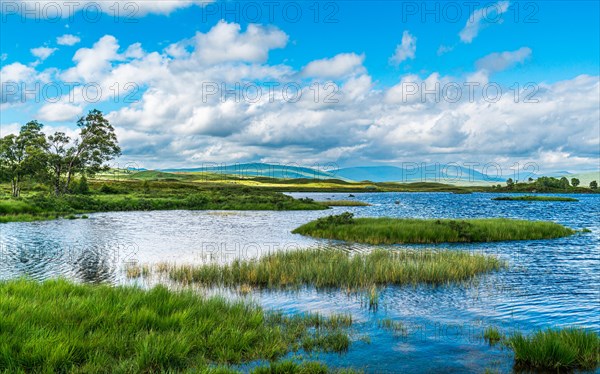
<point>405,50</point>
<point>67,39</point>
<point>489,14</point>
<point>43,52</point>
<point>58,112</point>
<point>126,9</point>
<point>495,62</point>
<point>335,67</point>
<point>226,43</point>
<point>174,124</point>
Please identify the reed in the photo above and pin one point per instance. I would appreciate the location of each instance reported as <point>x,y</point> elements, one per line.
<point>338,269</point>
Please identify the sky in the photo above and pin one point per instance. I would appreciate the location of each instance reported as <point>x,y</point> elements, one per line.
<point>188,83</point>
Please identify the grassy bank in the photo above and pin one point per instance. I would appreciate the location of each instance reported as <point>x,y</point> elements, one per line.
<point>404,230</point>
<point>138,195</point>
<point>338,269</point>
<point>534,198</point>
<point>57,326</point>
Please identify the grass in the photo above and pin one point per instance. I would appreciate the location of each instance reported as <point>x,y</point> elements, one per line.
<point>57,326</point>
<point>343,203</point>
<point>138,195</point>
<point>492,335</point>
<point>409,230</point>
<point>534,198</point>
<point>338,269</point>
<point>563,349</point>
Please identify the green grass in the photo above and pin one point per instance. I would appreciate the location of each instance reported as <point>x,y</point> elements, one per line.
<point>343,203</point>
<point>534,198</point>
<point>492,335</point>
<point>555,350</point>
<point>157,195</point>
<point>408,230</point>
<point>338,269</point>
<point>57,326</point>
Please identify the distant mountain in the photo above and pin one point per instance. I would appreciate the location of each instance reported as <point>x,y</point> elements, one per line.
<point>450,174</point>
<point>257,169</point>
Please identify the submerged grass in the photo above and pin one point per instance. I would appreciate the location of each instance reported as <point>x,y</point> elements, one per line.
<point>534,198</point>
<point>338,269</point>
<point>409,230</point>
<point>562,349</point>
<point>57,326</point>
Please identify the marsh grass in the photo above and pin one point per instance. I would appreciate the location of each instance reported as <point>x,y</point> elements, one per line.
<point>561,349</point>
<point>343,203</point>
<point>57,326</point>
<point>492,335</point>
<point>534,198</point>
<point>333,268</point>
<point>410,230</point>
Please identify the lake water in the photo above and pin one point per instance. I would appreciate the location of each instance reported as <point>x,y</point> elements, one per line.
<point>548,283</point>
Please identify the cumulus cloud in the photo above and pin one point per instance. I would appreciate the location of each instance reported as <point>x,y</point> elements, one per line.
<point>335,67</point>
<point>175,122</point>
<point>225,42</point>
<point>43,52</point>
<point>59,112</point>
<point>405,50</point>
<point>68,40</point>
<point>480,17</point>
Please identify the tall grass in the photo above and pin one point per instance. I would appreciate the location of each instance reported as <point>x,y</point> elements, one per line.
<point>557,349</point>
<point>338,269</point>
<point>408,230</point>
<point>57,326</point>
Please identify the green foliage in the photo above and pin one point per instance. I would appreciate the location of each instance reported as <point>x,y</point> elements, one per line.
<point>556,350</point>
<point>338,269</point>
<point>509,182</point>
<point>345,218</point>
<point>57,326</point>
<point>564,183</point>
<point>401,231</point>
<point>575,182</point>
<point>593,185</point>
<point>81,187</point>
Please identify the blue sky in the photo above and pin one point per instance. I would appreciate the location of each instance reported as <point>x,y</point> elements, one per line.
<point>549,43</point>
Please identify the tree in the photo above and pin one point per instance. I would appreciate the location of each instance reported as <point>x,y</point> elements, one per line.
<point>575,182</point>
<point>509,182</point>
<point>96,144</point>
<point>564,183</point>
<point>22,155</point>
<point>594,185</point>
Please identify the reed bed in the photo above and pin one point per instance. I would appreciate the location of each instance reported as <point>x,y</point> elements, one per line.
<point>424,231</point>
<point>57,326</point>
<point>557,349</point>
<point>339,269</point>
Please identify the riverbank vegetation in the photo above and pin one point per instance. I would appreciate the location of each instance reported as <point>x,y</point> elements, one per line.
<point>57,326</point>
<point>533,198</point>
<point>557,349</point>
<point>343,203</point>
<point>332,268</point>
<point>410,230</point>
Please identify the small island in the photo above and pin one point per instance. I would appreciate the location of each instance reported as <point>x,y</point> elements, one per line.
<point>425,231</point>
<point>534,198</point>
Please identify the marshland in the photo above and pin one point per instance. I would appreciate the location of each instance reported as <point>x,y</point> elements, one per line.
<point>403,306</point>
